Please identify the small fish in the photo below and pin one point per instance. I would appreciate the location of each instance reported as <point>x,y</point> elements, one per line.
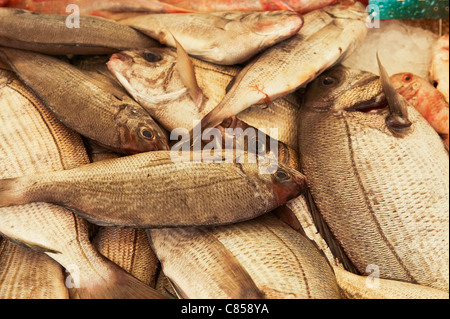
<point>29,274</point>
<point>438,72</point>
<point>26,30</point>
<point>364,178</point>
<point>33,141</point>
<point>94,7</point>
<point>127,191</point>
<point>426,99</point>
<point>112,118</point>
<point>327,36</point>
<point>302,6</point>
<point>259,258</point>
<point>225,38</point>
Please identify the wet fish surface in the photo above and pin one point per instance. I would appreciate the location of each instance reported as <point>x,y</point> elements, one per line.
<point>116,122</point>
<point>26,30</point>
<point>327,36</point>
<point>439,66</point>
<point>259,258</point>
<point>376,179</point>
<point>225,38</point>
<point>34,141</point>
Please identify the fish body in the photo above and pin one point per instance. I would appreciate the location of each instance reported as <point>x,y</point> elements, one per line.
<point>225,38</point>
<point>50,34</point>
<point>127,191</point>
<point>384,197</point>
<point>327,36</point>
<point>259,258</point>
<point>438,72</point>
<point>302,6</point>
<point>28,274</point>
<point>425,98</point>
<point>96,7</point>
<point>112,118</point>
<point>33,141</point>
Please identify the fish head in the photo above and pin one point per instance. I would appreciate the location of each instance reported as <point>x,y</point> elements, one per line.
<point>150,76</point>
<point>347,9</point>
<point>406,84</point>
<point>287,183</point>
<point>272,24</point>
<point>341,89</point>
<point>137,130</point>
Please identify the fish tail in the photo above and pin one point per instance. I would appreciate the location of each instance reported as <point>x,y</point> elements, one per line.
<point>115,284</point>
<point>11,192</point>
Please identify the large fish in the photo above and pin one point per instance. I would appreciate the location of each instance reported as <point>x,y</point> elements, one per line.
<point>153,79</point>
<point>94,7</point>
<point>50,34</point>
<point>29,274</point>
<point>111,117</point>
<point>225,38</point>
<point>161,188</point>
<point>426,99</point>
<point>302,6</point>
<point>33,141</point>
<point>328,36</point>
<point>384,196</point>
<point>260,258</point>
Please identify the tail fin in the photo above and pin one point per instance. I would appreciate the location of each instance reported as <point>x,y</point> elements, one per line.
<point>10,193</point>
<point>115,284</point>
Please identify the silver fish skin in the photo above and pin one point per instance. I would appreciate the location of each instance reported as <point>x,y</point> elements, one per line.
<point>225,38</point>
<point>327,37</point>
<point>384,197</point>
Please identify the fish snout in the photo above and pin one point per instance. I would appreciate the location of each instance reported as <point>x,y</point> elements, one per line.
<point>291,23</point>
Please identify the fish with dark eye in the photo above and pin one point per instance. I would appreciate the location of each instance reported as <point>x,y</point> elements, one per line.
<point>111,118</point>
<point>384,195</point>
<point>428,100</point>
<point>225,38</point>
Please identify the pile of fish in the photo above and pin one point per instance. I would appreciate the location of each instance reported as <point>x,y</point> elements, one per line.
<point>126,170</point>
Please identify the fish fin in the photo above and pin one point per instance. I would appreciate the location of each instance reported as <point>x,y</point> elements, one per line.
<point>117,285</point>
<point>187,73</point>
<point>10,193</point>
<point>397,121</point>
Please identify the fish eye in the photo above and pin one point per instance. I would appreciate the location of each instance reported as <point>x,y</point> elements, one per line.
<point>328,81</point>
<point>152,57</point>
<point>146,134</point>
<point>407,78</point>
<point>282,176</point>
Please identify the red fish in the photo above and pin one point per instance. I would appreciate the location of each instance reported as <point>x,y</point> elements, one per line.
<point>302,6</point>
<point>426,99</point>
<point>93,7</point>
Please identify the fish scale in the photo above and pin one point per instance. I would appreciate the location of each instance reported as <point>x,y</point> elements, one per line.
<point>42,226</point>
<point>386,197</point>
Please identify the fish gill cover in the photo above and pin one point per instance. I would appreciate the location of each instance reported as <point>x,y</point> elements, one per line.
<point>410,9</point>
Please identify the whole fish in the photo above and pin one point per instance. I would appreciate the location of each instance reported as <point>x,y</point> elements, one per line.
<point>152,78</point>
<point>28,274</point>
<point>259,258</point>
<point>438,72</point>
<point>384,197</point>
<point>112,118</point>
<point>302,6</point>
<point>33,141</point>
<point>225,38</point>
<point>426,99</point>
<point>327,36</point>
<point>30,31</point>
<point>354,286</point>
<point>127,191</point>
<point>94,7</point>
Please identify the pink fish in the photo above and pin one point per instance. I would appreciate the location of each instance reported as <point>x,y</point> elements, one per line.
<point>439,72</point>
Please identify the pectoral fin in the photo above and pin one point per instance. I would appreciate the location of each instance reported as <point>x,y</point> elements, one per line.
<point>187,73</point>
